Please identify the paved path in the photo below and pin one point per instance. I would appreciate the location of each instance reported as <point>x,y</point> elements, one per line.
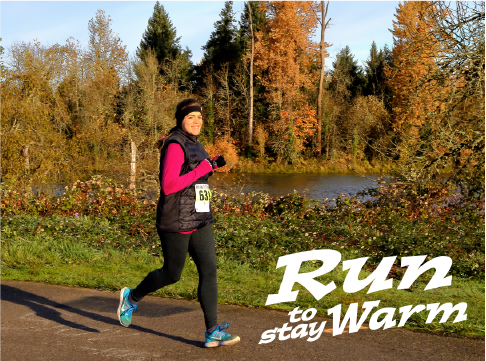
<point>45,322</point>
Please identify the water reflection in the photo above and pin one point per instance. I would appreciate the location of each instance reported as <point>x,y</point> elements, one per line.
<point>314,186</point>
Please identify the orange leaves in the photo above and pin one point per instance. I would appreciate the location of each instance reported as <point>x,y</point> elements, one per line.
<point>305,121</point>
<point>226,147</point>
<point>414,52</point>
<point>284,50</point>
<point>302,122</point>
<point>284,56</point>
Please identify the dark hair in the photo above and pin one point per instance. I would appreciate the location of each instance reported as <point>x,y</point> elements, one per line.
<point>178,115</point>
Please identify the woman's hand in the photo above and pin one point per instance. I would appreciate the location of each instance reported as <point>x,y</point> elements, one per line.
<point>218,162</point>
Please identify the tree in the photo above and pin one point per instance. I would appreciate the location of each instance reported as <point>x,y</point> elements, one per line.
<point>438,80</point>
<point>224,45</point>
<point>459,30</point>
<point>258,16</point>
<point>251,21</point>
<point>349,73</point>
<point>225,99</point>
<point>223,78</point>
<point>161,37</point>
<point>178,70</point>
<point>34,117</point>
<point>1,54</point>
<point>209,91</point>
<point>71,87</point>
<point>105,62</point>
<point>106,57</point>
<point>252,55</point>
<point>151,97</point>
<point>322,45</point>
<point>284,55</point>
<point>375,72</point>
<point>368,123</point>
<point>414,56</point>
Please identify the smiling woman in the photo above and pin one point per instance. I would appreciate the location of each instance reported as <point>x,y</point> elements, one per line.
<point>189,118</point>
<point>184,222</point>
<point>192,123</point>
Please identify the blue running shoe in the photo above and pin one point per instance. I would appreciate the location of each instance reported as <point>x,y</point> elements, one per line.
<point>220,338</point>
<point>125,308</point>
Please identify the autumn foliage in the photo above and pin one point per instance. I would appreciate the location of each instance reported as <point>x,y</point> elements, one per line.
<point>414,60</point>
<point>227,148</point>
<point>284,55</point>
<point>438,104</point>
<point>69,112</point>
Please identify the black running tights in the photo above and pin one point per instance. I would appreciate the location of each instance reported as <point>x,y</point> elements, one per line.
<point>175,246</point>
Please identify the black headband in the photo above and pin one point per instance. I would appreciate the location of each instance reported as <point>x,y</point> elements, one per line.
<point>185,111</point>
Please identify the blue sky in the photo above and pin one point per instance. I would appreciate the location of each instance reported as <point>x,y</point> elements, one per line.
<point>354,23</point>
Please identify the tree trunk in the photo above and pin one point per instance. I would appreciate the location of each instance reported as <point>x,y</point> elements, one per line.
<point>327,146</point>
<point>133,164</point>
<point>228,121</point>
<point>324,25</point>
<point>250,117</point>
<point>26,155</point>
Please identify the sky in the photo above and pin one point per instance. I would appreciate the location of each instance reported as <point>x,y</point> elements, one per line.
<point>353,23</point>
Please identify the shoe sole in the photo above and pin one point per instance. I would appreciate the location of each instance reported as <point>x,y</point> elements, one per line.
<point>222,343</point>
<point>120,305</point>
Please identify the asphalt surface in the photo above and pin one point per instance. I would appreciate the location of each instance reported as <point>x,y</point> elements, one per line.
<point>46,322</point>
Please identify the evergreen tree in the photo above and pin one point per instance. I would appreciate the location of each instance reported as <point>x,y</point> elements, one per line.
<point>348,73</point>
<point>258,19</point>
<point>160,36</point>
<point>224,44</point>
<point>388,64</point>
<point>388,54</point>
<point>375,72</point>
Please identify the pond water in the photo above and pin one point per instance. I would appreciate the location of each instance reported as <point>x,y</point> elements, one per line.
<point>314,186</point>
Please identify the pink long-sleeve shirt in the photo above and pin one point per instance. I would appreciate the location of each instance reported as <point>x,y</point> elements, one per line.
<point>172,163</point>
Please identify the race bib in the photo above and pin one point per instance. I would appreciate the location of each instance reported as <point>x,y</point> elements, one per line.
<point>203,197</point>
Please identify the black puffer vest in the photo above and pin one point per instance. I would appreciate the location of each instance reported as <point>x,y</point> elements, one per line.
<point>176,212</point>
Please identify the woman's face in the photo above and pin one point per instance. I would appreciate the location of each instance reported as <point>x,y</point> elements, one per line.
<point>192,123</point>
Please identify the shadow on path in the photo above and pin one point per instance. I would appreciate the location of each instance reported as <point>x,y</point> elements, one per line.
<point>46,308</point>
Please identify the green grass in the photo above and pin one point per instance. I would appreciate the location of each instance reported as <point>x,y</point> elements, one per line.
<point>101,235</point>
<point>69,251</point>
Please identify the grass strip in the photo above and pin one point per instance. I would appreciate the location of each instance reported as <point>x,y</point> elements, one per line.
<point>99,254</point>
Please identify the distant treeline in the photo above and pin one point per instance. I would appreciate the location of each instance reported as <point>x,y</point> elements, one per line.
<point>69,112</point>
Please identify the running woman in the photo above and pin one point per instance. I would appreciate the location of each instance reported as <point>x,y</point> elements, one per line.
<point>184,222</point>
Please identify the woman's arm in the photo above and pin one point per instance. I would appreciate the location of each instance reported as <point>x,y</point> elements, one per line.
<point>171,168</point>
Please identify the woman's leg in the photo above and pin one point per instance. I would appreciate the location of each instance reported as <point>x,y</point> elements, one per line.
<point>174,249</point>
<point>203,252</point>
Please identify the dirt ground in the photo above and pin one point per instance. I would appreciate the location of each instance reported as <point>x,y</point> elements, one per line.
<point>46,322</point>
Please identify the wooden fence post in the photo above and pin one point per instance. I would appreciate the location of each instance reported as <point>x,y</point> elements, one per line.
<point>133,164</point>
